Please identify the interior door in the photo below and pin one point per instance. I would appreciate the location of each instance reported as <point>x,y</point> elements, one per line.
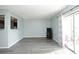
<point>69,32</point>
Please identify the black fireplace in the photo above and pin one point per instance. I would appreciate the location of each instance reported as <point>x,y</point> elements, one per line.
<point>49,33</point>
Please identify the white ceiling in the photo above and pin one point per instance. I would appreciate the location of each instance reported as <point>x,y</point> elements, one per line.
<point>33,11</point>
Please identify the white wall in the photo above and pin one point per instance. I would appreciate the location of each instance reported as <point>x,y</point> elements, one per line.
<point>8,36</point>
<point>36,27</point>
<point>14,35</point>
<point>4,32</point>
<point>57,29</point>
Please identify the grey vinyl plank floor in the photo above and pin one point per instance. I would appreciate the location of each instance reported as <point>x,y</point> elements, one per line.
<point>32,46</point>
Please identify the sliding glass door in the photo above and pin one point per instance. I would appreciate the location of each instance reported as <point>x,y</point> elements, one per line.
<point>70,25</point>
<point>76,28</point>
<point>68,30</point>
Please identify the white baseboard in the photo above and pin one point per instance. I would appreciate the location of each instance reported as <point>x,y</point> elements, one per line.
<point>14,43</point>
<point>11,44</point>
<point>3,47</point>
<point>34,36</point>
<point>57,42</point>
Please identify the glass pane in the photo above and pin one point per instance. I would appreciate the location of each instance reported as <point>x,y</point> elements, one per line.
<point>76,17</point>
<point>68,30</point>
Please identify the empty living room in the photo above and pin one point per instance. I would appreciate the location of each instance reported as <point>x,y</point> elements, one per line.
<point>29,29</point>
<point>39,27</point>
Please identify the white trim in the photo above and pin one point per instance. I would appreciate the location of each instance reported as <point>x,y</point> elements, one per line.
<point>72,11</point>
<point>57,42</point>
<point>3,47</point>
<point>33,36</point>
<point>14,43</point>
